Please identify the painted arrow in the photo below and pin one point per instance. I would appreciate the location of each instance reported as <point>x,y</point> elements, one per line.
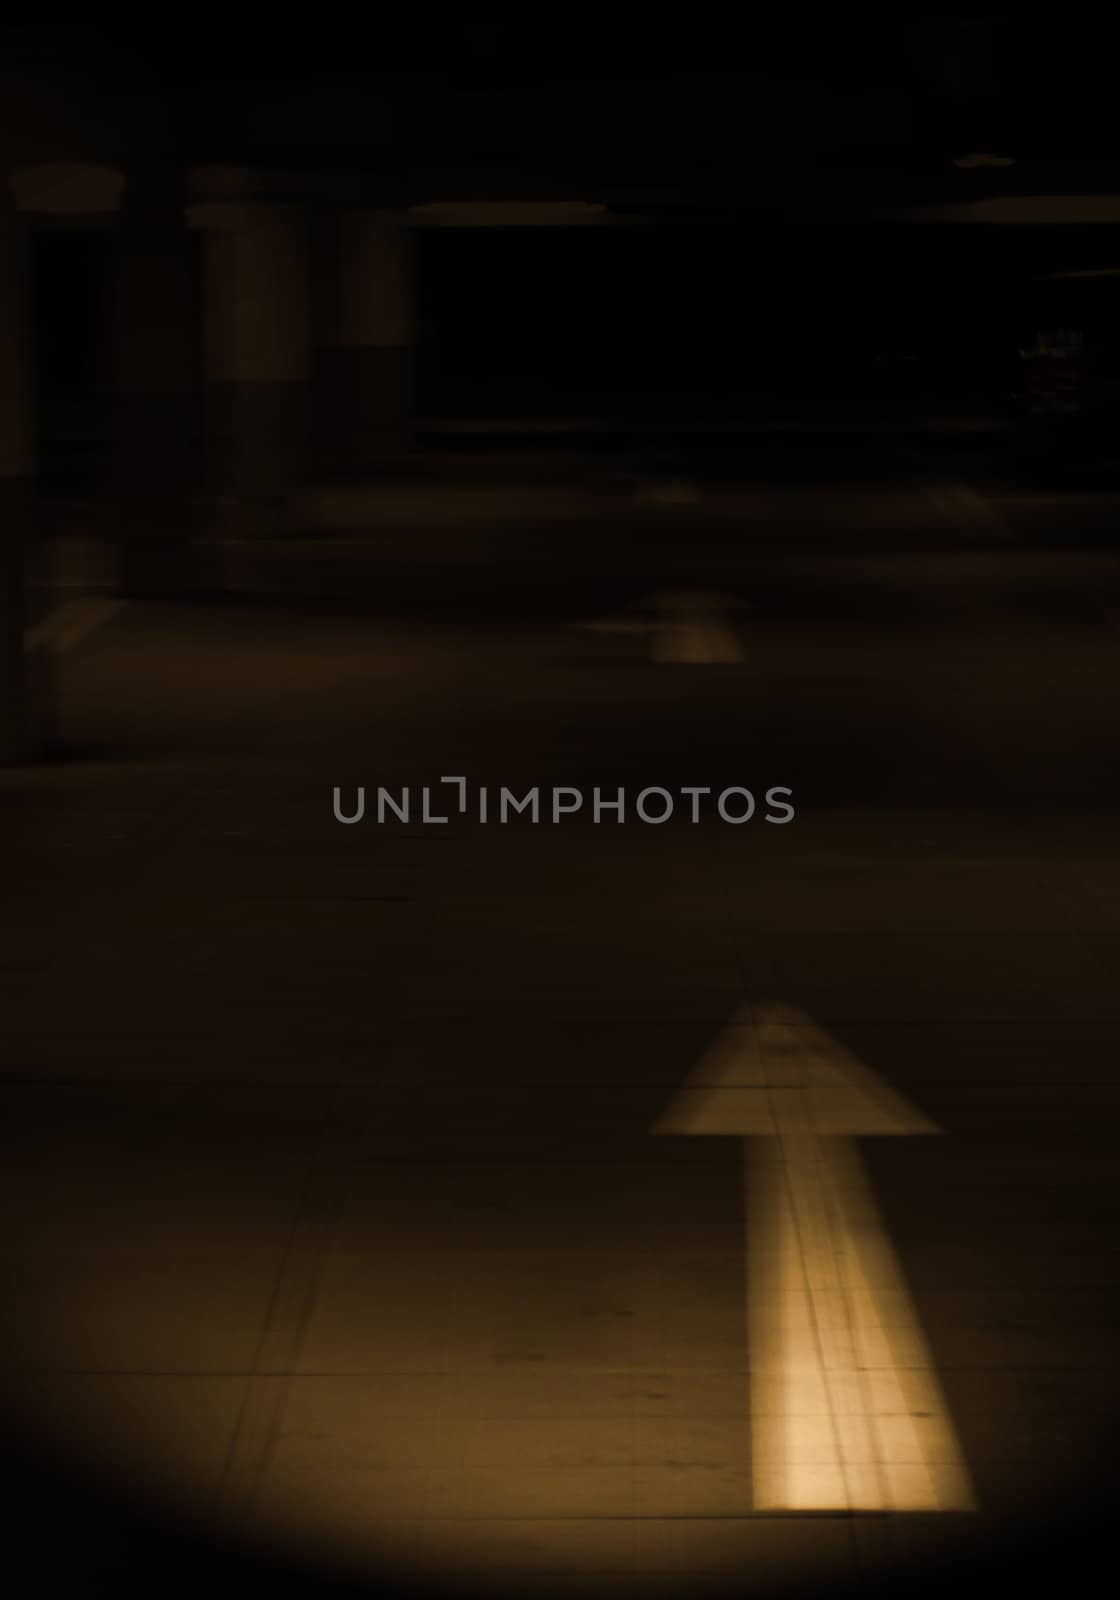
<point>666,492</point>
<point>694,628</point>
<point>846,1410</point>
<point>688,627</point>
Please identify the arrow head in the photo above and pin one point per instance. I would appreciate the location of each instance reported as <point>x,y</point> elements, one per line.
<point>773,1073</point>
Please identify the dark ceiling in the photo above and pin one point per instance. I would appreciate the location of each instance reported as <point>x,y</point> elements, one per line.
<point>874,108</point>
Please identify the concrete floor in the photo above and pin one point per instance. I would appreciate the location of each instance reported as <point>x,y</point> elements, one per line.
<point>332,1213</point>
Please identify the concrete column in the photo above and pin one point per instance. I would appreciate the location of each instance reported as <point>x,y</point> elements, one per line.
<point>367,360</point>
<point>257,361</point>
<point>51,195</point>
<point>21,726</point>
<point>157,371</point>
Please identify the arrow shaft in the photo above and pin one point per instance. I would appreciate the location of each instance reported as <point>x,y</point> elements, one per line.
<point>846,1409</point>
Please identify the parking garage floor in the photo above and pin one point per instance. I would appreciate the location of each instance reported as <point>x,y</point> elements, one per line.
<point>336,1214</point>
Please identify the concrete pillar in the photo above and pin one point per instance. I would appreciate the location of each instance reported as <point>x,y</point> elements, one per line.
<point>257,361</point>
<point>21,726</point>
<point>157,372</point>
<point>366,363</point>
<point>51,195</point>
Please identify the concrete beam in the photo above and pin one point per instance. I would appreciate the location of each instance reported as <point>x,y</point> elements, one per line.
<point>75,195</point>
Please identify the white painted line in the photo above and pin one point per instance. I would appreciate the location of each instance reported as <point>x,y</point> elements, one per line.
<point>846,1409</point>
<point>70,623</point>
